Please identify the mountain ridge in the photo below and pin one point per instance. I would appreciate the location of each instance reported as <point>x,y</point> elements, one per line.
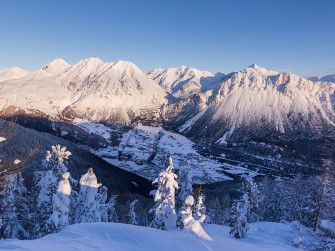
<point>249,112</point>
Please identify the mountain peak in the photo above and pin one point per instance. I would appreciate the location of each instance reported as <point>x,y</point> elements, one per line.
<point>86,61</point>
<point>254,66</point>
<point>58,65</point>
<point>12,73</point>
<point>183,67</point>
<point>124,63</point>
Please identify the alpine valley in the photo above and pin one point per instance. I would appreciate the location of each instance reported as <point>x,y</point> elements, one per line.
<point>222,125</point>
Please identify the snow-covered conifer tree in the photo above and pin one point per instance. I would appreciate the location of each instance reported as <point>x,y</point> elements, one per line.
<point>200,208</point>
<point>165,215</point>
<point>186,182</point>
<point>239,221</point>
<point>112,216</point>
<point>251,188</point>
<point>61,204</point>
<point>271,208</point>
<point>46,186</point>
<point>244,209</point>
<point>46,183</point>
<point>326,202</point>
<point>189,223</point>
<point>89,201</point>
<point>102,199</point>
<point>132,215</point>
<point>14,208</point>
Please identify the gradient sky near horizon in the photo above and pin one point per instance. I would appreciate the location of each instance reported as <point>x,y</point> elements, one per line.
<point>283,35</point>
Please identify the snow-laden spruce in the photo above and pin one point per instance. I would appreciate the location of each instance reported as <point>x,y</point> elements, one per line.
<point>132,215</point>
<point>191,224</point>
<point>245,209</point>
<point>200,208</point>
<point>14,208</point>
<point>185,182</point>
<point>89,201</point>
<point>46,183</point>
<point>61,203</point>
<point>164,211</point>
<point>325,206</point>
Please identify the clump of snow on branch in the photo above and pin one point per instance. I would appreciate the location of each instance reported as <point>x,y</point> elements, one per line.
<point>89,200</point>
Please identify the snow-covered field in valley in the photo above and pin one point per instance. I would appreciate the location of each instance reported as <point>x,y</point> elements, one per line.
<point>115,236</point>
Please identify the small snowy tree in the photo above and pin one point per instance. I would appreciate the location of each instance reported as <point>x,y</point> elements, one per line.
<point>165,215</point>
<point>14,208</point>
<point>112,216</point>
<point>186,182</point>
<point>244,209</point>
<point>61,204</point>
<point>102,198</point>
<point>132,215</point>
<point>251,188</point>
<point>189,223</point>
<point>239,221</point>
<point>326,202</point>
<point>89,209</point>
<point>200,208</point>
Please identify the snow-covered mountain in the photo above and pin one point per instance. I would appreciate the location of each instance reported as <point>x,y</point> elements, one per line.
<point>327,78</point>
<point>251,112</point>
<point>115,92</point>
<point>184,81</point>
<point>258,98</point>
<point>12,73</point>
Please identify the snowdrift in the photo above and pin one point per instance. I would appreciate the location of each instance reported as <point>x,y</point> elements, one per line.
<point>116,236</point>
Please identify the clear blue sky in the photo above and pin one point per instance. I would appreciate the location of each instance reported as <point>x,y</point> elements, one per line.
<point>283,35</point>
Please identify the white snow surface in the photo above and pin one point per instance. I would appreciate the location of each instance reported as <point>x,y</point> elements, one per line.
<point>262,236</point>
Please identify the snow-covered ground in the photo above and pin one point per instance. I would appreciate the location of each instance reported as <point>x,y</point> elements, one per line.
<point>115,236</point>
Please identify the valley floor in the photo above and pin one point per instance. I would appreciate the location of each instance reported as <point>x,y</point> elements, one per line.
<point>116,236</point>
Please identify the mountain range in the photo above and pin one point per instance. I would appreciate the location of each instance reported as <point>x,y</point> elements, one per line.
<point>255,117</point>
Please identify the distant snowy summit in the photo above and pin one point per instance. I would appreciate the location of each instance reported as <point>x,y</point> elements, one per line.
<point>183,81</point>
<point>327,78</point>
<point>12,73</point>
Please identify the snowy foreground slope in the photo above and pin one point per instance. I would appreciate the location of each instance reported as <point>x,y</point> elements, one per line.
<point>116,236</point>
